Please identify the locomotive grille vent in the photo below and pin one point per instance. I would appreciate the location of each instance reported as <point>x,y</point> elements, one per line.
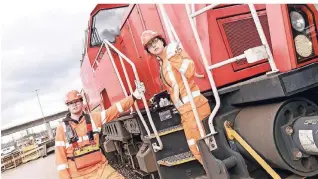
<point>241,35</point>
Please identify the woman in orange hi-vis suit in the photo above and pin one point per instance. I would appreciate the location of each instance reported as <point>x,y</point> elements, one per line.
<point>174,61</point>
<point>77,140</point>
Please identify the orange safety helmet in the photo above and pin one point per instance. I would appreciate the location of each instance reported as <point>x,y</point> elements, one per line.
<point>148,35</point>
<point>72,96</point>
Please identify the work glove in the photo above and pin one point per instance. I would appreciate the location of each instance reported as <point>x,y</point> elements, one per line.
<point>139,91</point>
<point>164,102</point>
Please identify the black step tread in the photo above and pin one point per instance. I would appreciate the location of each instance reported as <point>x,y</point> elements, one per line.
<point>167,131</point>
<point>177,159</point>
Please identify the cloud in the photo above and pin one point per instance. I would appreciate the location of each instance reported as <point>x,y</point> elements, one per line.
<point>52,101</point>
<point>40,49</point>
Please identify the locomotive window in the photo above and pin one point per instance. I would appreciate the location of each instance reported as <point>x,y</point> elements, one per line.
<point>106,25</point>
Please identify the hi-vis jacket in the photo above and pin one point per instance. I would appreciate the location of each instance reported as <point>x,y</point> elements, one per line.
<point>175,61</point>
<point>66,168</point>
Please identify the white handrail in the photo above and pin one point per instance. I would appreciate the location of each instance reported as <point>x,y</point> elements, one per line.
<point>209,73</point>
<point>201,11</point>
<point>167,25</point>
<point>173,36</point>
<point>231,60</point>
<point>118,75</point>
<point>127,78</point>
<point>155,146</point>
<point>192,11</point>
<point>193,106</point>
<point>135,103</point>
<point>97,56</point>
<point>263,38</point>
<point>116,70</point>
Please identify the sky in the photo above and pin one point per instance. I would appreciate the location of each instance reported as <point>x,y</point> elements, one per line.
<point>41,47</point>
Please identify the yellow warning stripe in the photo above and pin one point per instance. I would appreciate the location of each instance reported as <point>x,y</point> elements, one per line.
<point>168,131</point>
<point>178,162</point>
<point>86,149</point>
<point>232,134</point>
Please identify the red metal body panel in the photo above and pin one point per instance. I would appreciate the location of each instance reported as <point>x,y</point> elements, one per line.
<point>213,37</point>
<point>88,82</point>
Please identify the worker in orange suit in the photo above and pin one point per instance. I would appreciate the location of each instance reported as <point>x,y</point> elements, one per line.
<point>77,138</point>
<point>174,62</point>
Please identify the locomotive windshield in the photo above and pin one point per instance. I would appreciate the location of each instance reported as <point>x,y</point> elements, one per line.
<point>106,25</point>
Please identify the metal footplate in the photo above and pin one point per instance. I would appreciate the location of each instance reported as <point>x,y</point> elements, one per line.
<point>167,131</point>
<point>177,159</point>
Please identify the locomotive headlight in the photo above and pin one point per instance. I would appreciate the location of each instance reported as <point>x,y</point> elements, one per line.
<point>303,30</point>
<point>303,45</point>
<point>297,20</point>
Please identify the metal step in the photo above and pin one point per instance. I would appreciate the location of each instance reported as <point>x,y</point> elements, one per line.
<point>177,159</point>
<point>167,131</point>
<point>202,177</point>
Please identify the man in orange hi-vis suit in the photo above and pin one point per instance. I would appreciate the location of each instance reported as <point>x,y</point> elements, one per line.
<point>77,139</point>
<point>174,61</point>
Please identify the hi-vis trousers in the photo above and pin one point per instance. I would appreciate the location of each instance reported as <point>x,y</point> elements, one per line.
<point>103,172</point>
<point>191,128</point>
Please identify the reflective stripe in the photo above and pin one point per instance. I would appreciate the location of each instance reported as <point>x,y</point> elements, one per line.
<point>184,66</point>
<point>191,142</point>
<point>59,144</point>
<point>62,167</point>
<point>103,115</point>
<point>64,127</point>
<point>171,49</point>
<point>186,99</point>
<point>173,83</point>
<point>67,145</point>
<point>194,94</point>
<point>98,129</point>
<point>170,74</point>
<point>178,104</point>
<point>95,129</point>
<point>119,107</point>
<point>85,137</point>
<point>81,139</point>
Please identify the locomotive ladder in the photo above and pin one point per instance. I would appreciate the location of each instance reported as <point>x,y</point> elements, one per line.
<point>122,57</point>
<point>252,55</point>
